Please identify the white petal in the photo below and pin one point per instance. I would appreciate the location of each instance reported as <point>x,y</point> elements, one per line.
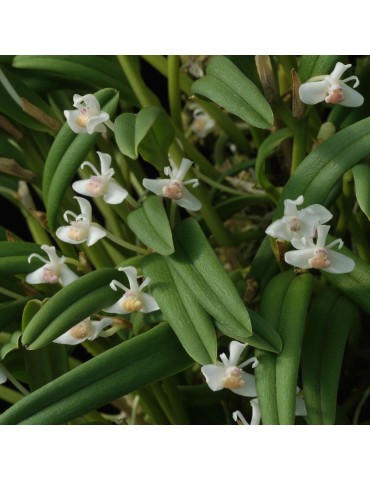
<point>300,407</point>
<point>149,303</point>
<point>214,375</point>
<point>290,206</point>
<point>236,349</point>
<point>299,258</point>
<point>156,186</point>
<point>321,212</point>
<point>85,207</point>
<point>239,416</point>
<point>105,162</point>
<point>131,273</point>
<point>352,98</point>
<point>338,71</point>
<point>188,201</point>
<point>3,377</point>
<point>80,187</point>
<point>62,234</point>
<point>95,124</point>
<point>313,92</point>
<point>51,253</point>
<point>183,170</point>
<point>322,233</point>
<point>36,277</point>
<point>280,230</point>
<point>115,193</point>
<point>339,263</point>
<point>76,100</point>
<point>249,388</point>
<point>97,326</point>
<point>116,308</point>
<point>68,339</point>
<point>96,233</point>
<point>66,276</point>
<point>90,101</point>
<point>256,412</point>
<point>71,117</point>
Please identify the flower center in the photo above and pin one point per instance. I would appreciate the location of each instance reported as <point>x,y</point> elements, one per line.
<point>173,190</point>
<point>233,379</point>
<point>49,276</point>
<point>294,225</point>
<point>77,231</point>
<point>81,330</point>
<point>320,259</point>
<point>131,302</point>
<point>335,96</point>
<point>96,186</point>
<point>83,119</point>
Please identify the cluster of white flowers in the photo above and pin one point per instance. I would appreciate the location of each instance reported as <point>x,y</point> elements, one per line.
<point>301,227</point>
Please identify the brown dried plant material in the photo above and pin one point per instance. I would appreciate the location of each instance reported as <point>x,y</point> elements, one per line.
<point>9,128</point>
<point>11,167</point>
<point>40,115</point>
<point>266,74</point>
<point>298,108</point>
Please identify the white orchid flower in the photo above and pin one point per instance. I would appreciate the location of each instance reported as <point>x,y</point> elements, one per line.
<point>101,184</point>
<point>298,224</point>
<point>87,118</point>
<point>300,411</point>
<point>230,375</point>
<point>134,299</point>
<point>3,376</point>
<point>54,270</point>
<point>319,255</point>
<point>331,89</point>
<point>85,330</point>
<point>81,229</point>
<point>174,188</point>
<point>202,123</point>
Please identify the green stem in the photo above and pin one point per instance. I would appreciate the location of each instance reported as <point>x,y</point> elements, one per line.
<point>151,407</point>
<point>145,96</point>
<point>219,149</point>
<point>283,113</point>
<point>219,186</point>
<point>9,293</point>
<point>299,143</point>
<point>15,382</point>
<point>164,403</point>
<point>127,245</point>
<point>170,389</point>
<point>174,89</point>
<point>9,395</point>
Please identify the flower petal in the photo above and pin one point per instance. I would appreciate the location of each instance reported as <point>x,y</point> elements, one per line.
<point>239,418</point>
<point>115,193</point>
<point>156,186</point>
<point>149,303</point>
<point>321,212</point>
<point>96,123</point>
<point>85,207</point>
<point>66,275</point>
<point>131,273</point>
<point>183,170</point>
<point>80,187</point>
<point>338,71</point>
<point>339,263</point>
<point>97,326</point>
<point>188,201</point>
<point>236,349</point>
<point>62,234</point>
<point>116,308</point>
<point>36,277</point>
<point>280,230</point>
<point>214,375</point>
<point>313,92</point>
<point>299,258</point>
<point>105,162</point>
<point>256,412</point>
<point>352,98</point>
<point>96,232</point>
<point>68,339</point>
<point>249,388</point>
<point>89,100</point>
<point>71,117</point>
<point>290,206</point>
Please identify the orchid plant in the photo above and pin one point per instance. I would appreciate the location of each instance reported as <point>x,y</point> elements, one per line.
<point>201,314</point>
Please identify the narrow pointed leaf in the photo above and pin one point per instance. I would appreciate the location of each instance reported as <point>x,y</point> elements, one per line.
<point>138,362</point>
<point>14,257</point>
<point>227,86</point>
<point>150,224</point>
<point>361,175</point>
<point>314,65</point>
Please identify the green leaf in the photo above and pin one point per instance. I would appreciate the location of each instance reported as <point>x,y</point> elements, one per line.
<point>66,155</point>
<point>14,257</point>
<point>12,310</point>
<point>318,174</point>
<point>227,86</point>
<point>10,345</point>
<point>149,133</point>
<point>151,225</point>
<point>361,175</point>
<point>190,322</point>
<point>92,70</point>
<point>122,369</point>
<point>324,341</point>
<point>315,65</point>
<point>71,305</point>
